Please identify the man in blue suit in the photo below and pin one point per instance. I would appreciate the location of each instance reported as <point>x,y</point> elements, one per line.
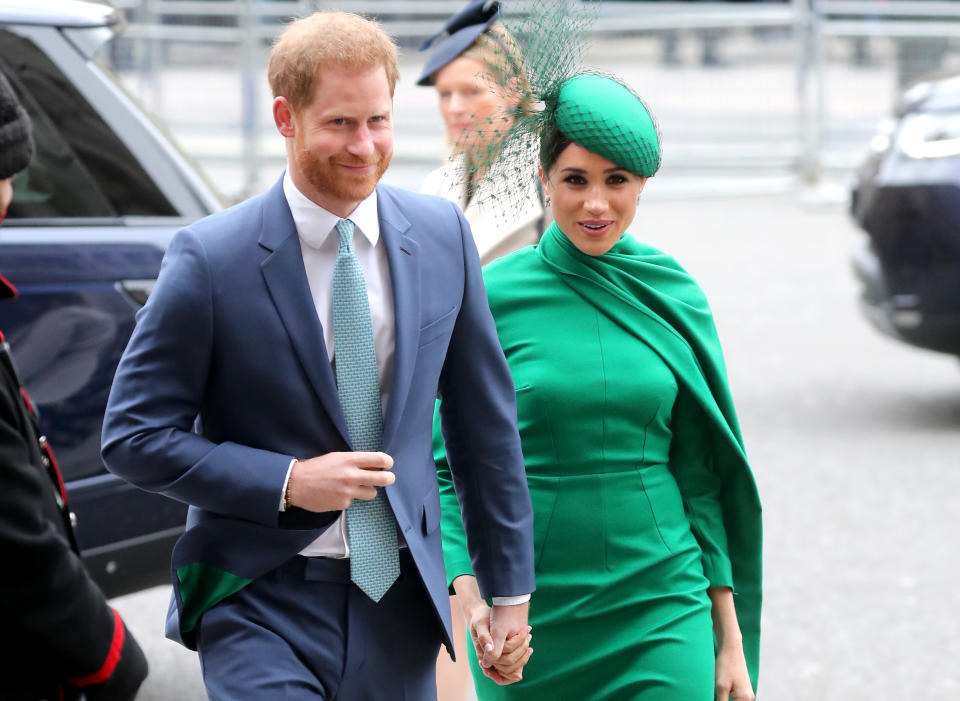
<point>294,416</point>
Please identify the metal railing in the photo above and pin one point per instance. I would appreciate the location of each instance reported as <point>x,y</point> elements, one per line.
<point>776,100</point>
<point>918,36</point>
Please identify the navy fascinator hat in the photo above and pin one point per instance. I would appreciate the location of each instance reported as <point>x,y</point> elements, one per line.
<point>458,34</point>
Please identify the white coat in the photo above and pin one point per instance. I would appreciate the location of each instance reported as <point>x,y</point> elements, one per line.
<point>495,232</point>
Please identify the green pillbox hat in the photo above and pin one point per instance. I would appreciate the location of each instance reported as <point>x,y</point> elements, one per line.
<point>606,117</point>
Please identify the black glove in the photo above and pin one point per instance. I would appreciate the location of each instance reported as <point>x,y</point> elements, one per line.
<point>127,676</point>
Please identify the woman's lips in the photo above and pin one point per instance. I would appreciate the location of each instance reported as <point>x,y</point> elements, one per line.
<point>595,228</point>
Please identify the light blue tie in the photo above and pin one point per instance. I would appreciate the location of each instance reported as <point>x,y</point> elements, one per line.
<point>374,558</point>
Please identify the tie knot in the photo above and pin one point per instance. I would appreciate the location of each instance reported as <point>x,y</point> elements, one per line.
<point>345,232</point>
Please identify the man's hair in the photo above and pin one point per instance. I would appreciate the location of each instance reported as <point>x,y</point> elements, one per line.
<point>324,39</point>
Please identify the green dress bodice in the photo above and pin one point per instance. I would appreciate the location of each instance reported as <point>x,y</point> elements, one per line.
<point>628,494</point>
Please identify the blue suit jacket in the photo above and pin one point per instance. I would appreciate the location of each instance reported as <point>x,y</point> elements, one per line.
<point>230,335</point>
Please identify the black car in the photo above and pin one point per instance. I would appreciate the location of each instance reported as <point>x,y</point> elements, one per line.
<point>82,242</point>
<point>907,201</point>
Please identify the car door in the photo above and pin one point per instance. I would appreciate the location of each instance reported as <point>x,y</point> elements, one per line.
<point>83,242</point>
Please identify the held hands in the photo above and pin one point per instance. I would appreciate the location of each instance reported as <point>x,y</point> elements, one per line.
<point>331,482</point>
<point>508,623</point>
<point>501,636</point>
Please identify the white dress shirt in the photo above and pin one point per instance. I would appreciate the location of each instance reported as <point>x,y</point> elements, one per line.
<point>319,244</point>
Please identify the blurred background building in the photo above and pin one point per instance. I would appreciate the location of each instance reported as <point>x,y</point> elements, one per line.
<point>753,96</point>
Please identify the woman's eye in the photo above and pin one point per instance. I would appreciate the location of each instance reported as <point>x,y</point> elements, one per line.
<point>574,180</point>
<point>616,180</point>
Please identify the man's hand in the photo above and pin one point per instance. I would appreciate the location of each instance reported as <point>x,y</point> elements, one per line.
<point>514,646</point>
<point>505,622</point>
<point>331,482</point>
<point>513,652</point>
<point>516,654</point>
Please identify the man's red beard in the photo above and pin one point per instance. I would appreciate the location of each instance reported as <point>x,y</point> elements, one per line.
<point>330,179</point>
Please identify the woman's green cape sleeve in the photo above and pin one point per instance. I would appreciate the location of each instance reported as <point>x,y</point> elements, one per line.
<point>456,558</point>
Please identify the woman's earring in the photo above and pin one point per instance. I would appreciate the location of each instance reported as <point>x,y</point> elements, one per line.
<point>638,199</point>
<point>546,200</point>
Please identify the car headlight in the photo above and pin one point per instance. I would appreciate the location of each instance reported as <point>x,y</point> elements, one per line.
<point>930,135</point>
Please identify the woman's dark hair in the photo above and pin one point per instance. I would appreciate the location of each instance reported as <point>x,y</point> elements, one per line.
<point>552,143</point>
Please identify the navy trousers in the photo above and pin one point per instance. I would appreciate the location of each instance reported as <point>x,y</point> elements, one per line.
<point>304,631</point>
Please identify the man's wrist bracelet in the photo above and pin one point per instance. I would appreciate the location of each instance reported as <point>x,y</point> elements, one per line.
<point>286,491</point>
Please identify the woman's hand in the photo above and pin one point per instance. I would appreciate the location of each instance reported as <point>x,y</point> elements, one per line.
<point>732,677</point>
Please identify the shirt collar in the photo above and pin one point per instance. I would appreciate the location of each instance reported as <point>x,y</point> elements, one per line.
<point>315,224</point>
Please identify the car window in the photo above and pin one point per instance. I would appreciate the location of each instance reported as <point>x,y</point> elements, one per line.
<point>80,168</point>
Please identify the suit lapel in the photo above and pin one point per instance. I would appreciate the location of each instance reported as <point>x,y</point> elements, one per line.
<point>286,279</point>
<point>403,258</point>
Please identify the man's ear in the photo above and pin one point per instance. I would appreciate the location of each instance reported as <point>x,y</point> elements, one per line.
<point>283,117</point>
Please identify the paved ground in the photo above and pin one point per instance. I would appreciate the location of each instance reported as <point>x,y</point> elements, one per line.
<point>854,440</point>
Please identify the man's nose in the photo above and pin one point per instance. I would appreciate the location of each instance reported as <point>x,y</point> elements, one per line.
<point>362,144</point>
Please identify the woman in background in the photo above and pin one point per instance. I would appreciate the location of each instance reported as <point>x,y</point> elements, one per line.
<point>479,77</point>
<point>646,515</point>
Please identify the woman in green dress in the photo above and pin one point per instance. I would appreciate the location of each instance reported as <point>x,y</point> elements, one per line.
<point>647,528</point>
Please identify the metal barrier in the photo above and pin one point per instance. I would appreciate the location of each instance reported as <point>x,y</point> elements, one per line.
<point>894,44</point>
<point>761,93</point>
